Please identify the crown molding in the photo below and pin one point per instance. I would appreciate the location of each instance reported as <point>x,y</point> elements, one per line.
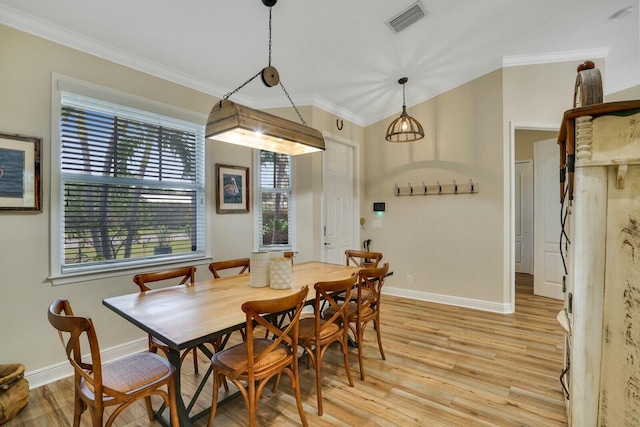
<point>29,24</point>
<point>82,43</point>
<point>551,57</point>
<point>309,100</point>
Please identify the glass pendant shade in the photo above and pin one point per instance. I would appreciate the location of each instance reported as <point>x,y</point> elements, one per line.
<point>405,128</point>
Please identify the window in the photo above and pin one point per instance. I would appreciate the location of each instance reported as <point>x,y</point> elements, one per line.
<point>275,202</point>
<point>131,187</point>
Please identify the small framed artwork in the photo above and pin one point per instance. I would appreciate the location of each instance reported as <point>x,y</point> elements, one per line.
<point>20,173</point>
<point>232,189</point>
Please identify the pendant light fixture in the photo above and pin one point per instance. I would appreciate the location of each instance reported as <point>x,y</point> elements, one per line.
<point>405,128</point>
<point>236,124</point>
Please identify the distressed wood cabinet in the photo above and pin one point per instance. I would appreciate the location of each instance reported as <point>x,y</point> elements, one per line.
<point>601,201</point>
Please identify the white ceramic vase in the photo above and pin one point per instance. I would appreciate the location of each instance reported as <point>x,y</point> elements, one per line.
<point>280,273</point>
<point>259,277</point>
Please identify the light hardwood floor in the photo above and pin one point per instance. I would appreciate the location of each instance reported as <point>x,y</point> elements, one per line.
<point>446,366</point>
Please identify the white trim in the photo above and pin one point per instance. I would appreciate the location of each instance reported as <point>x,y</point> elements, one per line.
<point>257,200</point>
<point>57,34</point>
<point>64,86</point>
<point>58,371</point>
<point>62,83</point>
<point>356,190</point>
<point>46,30</point>
<point>493,307</point>
<point>553,57</point>
<point>509,202</point>
<point>310,100</point>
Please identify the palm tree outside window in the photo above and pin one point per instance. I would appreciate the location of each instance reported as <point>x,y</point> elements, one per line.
<point>275,201</point>
<point>131,184</point>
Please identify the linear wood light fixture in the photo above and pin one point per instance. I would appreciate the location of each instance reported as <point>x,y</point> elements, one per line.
<point>236,124</point>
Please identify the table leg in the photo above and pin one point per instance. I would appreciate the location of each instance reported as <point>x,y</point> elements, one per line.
<point>183,414</point>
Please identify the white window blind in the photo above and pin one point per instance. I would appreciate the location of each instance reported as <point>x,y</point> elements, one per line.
<point>132,185</point>
<point>275,204</point>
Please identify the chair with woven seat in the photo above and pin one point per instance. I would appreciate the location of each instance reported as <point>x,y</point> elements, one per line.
<point>251,364</point>
<point>187,277</point>
<point>121,382</point>
<point>317,334</point>
<point>363,259</point>
<point>365,308</point>
<point>243,264</point>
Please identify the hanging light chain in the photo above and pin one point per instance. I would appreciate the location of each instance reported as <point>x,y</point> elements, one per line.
<point>281,85</point>
<point>241,86</point>
<point>294,105</point>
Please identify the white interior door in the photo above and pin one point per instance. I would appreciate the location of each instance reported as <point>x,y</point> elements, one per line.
<point>548,269</point>
<point>338,194</point>
<point>524,217</point>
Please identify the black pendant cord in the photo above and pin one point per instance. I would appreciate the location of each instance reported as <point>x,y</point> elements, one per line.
<point>279,81</point>
<point>270,36</point>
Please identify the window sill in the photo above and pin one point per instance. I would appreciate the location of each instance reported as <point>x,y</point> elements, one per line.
<point>129,270</point>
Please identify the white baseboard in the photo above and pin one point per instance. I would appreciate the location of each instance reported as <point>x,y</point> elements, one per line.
<point>494,307</point>
<point>51,373</point>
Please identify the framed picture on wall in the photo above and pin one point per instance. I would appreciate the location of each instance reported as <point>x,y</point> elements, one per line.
<point>20,173</point>
<point>232,189</point>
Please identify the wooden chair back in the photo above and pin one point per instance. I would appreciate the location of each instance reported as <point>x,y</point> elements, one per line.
<point>326,296</point>
<point>325,331</point>
<point>186,275</point>
<point>362,259</point>
<point>125,380</point>
<point>70,330</point>
<point>369,288</point>
<point>256,312</point>
<point>242,263</point>
<point>256,360</point>
<point>289,254</point>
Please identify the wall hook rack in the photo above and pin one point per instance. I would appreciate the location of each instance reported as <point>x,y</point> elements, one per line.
<point>437,189</point>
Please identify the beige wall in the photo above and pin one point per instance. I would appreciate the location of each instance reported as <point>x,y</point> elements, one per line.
<point>455,247</point>
<point>451,245</point>
<point>632,93</point>
<point>525,138</point>
<point>25,108</point>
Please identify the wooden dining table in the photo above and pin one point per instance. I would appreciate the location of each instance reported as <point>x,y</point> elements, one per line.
<point>185,316</point>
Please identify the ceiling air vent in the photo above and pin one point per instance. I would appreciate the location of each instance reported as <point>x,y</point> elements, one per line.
<point>407,17</point>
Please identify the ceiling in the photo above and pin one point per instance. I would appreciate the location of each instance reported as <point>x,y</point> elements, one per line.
<point>336,54</point>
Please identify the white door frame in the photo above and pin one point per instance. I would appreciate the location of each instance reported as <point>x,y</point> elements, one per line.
<point>526,216</point>
<point>509,202</point>
<point>357,190</point>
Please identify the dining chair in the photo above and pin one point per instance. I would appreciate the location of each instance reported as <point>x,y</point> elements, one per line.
<point>290,255</point>
<point>364,259</point>
<point>252,363</point>
<point>317,334</point>
<point>187,277</point>
<point>365,308</point>
<point>242,264</point>
<point>121,382</point>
